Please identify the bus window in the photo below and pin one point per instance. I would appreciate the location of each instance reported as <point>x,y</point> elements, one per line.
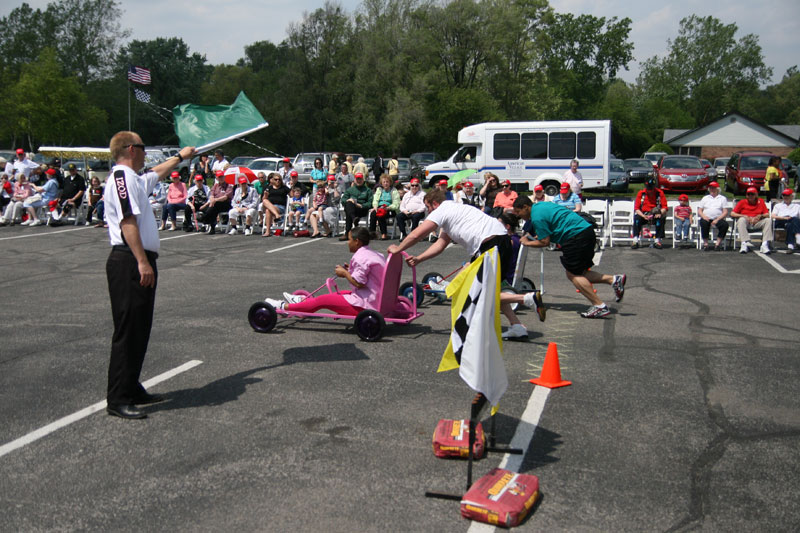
<point>506,146</point>
<point>562,145</point>
<point>587,140</point>
<point>534,146</point>
<point>465,153</point>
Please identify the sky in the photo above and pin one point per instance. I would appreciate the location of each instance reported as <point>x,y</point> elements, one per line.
<point>220,29</point>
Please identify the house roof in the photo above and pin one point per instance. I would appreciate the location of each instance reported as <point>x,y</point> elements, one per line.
<point>788,132</point>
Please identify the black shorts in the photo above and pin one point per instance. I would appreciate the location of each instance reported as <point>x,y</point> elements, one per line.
<point>578,252</point>
<point>505,251</point>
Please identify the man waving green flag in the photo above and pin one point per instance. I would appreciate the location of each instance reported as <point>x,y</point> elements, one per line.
<point>209,126</point>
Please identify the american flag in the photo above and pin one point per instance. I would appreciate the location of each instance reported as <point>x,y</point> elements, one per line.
<point>141,95</point>
<point>139,75</point>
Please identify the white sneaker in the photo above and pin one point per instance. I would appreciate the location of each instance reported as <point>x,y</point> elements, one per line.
<point>2,221</point>
<point>293,298</point>
<point>56,214</point>
<point>515,331</point>
<point>37,222</point>
<point>596,311</point>
<point>277,304</point>
<point>248,231</point>
<point>745,248</point>
<point>533,300</point>
<point>233,231</point>
<point>765,249</point>
<point>438,284</point>
<point>27,223</point>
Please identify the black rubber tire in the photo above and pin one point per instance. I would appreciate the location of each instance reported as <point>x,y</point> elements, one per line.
<point>262,317</point>
<point>527,285</point>
<point>370,325</point>
<point>551,190</point>
<point>406,289</point>
<point>430,275</point>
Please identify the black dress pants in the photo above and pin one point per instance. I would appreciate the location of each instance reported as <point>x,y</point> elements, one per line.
<point>210,214</point>
<point>352,212</point>
<point>132,311</point>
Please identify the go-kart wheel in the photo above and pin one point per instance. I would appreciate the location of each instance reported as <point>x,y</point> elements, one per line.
<point>370,325</point>
<point>262,317</point>
<point>429,276</point>
<point>526,285</point>
<point>510,290</point>
<point>407,290</point>
<point>301,292</point>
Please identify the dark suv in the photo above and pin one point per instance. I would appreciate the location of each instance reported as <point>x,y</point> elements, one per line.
<point>746,169</point>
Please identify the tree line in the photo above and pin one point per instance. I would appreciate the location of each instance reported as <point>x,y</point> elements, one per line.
<point>395,75</point>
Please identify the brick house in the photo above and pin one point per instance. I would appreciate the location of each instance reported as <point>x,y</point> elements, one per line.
<point>731,133</point>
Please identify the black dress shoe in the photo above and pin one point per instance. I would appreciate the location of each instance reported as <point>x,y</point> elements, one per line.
<point>128,411</point>
<point>146,399</point>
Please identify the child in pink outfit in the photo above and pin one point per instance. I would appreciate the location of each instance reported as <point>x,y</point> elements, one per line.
<point>364,273</point>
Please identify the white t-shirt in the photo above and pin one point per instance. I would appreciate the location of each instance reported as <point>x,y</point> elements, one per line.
<point>575,180</point>
<point>128,195</point>
<point>219,165</point>
<point>712,206</point>
<point>25,166</point>
<point>466,225</point>
<point>784,210</point>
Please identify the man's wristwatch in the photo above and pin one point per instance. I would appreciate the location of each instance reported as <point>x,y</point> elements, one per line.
<point>180,159</point>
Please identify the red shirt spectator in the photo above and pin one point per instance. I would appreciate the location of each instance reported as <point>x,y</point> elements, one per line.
<point>646,200</point>
<point>748,209</point>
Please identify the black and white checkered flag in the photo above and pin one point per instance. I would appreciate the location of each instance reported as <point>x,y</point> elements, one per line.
<point>141,95</point>
<point>461,326</point>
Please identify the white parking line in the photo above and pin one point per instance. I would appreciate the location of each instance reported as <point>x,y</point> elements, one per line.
<point>43,233</point>
<point>179,236</point>
<point>83,413</point>
<point>309,241</point>
<point>776,265</point>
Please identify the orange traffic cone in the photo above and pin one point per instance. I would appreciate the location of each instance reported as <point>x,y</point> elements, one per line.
<point>551,371</point>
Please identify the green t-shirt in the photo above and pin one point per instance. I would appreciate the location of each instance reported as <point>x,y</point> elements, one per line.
<point>555,221</point>
<point>259,187</point>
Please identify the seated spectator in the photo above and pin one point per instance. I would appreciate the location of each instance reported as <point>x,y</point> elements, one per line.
<point>6,189</point>
<point>468,196</point>
<point>712,212</point>
<point>539,195</point>
<point>158,198</point>
<point>683,219</point>
<point>319,203</point>
<point>274,201</point>
<point>385,203</point>
<point>357,201</point>
<point>176,200</point>
<point>412,208</point>
<point>38,175</point>
<point>219,201</point>
<point>442,186</point>
<point>19,193</point>
<point>787,216</point>
<point>650,207</point>
<point>330,215</point>
<point>45,194</point>
<point>94,194</point>
<point>365,274</point>
<point>73,191</point>
<point>196,197</point>
<point>504,200</point>
<point>491,188</point>
<point>260,185</point>
<point>244,204</point>
<point>567,198</point>
<point>751,213</point>
<point>297,207</point>
<point>294,181</point>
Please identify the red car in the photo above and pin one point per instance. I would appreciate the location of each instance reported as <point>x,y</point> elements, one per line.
<point>746,169</point>
<point>684,173</point>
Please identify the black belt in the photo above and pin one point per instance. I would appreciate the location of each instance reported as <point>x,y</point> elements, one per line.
<point>125,248</point>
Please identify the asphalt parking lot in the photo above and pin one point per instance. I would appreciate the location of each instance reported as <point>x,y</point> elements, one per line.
<point>684,412</point>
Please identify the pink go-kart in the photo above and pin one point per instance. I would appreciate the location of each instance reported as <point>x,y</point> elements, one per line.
<point>369,324</point>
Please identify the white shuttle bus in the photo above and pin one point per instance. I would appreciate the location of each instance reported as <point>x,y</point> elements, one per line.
<point>531,153</point>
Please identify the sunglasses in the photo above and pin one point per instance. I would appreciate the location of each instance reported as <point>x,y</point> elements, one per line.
<point>506,186</point>
<point>141,146</point>
<point>414,185</point>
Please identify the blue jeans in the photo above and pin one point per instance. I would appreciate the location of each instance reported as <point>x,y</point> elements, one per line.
<point>171,210</point>
<point>682,227</point>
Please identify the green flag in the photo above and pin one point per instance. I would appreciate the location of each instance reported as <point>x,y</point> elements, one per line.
<point>208,126</point>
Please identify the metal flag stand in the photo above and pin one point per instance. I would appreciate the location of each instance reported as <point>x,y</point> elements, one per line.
<point>478,403</point>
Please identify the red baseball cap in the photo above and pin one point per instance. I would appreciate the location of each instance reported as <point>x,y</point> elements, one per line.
<point>564,187</point>
<point>442,182</point>
<point>787,192</point>
<point>468,184</point>
<point>242,179</point>
<point>20,151</point>
<point>175,175</point>
<point>50,172</point>
<point>331,177</point>
<point>714,184</point>
<point>198,177</point>
<point>538,188</point>
<point>293,174</point>
<point>286,160</point>
<point>415,181</point>
<point>507,182</point>
<point>751,189</point>
<point>359,175</point>
<point>218,173</point>
<point>683,198</point>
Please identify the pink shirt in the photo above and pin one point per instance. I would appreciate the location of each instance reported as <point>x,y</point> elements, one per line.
<point>682,211</point>
<point>366,266</point>
<point>22,191</point>
<point>176,194</point>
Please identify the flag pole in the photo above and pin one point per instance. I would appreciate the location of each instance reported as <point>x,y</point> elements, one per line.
<point>129,105</point>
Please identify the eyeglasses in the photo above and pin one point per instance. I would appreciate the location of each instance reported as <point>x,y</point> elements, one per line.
<point>141,146</point>
<point>414,185</point>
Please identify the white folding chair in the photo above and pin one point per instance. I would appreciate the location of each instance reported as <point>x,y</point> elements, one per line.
<point>620,222</point>
<point>599,211</point>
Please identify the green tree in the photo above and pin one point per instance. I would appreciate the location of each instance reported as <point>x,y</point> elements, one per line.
<point>777,104</point>
<point>22,38</point>
<point>45,107</point>
<point>707,70</point>
<point>629,137</point>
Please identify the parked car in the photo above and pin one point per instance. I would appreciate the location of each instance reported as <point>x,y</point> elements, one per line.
<point>746,169</point>
<point>265,164</point>
<point>243,161</point>
<point>638,169</point>
<point>706,163</point>
<point>153,157</point>
<point>617,177</point>
<point>683,173</point>
<point>719,165</point>
<point>653,157</point>
<point>171,151</point>
<point>789,167</point>
<point>425,158</point>
<point>408,168</point>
